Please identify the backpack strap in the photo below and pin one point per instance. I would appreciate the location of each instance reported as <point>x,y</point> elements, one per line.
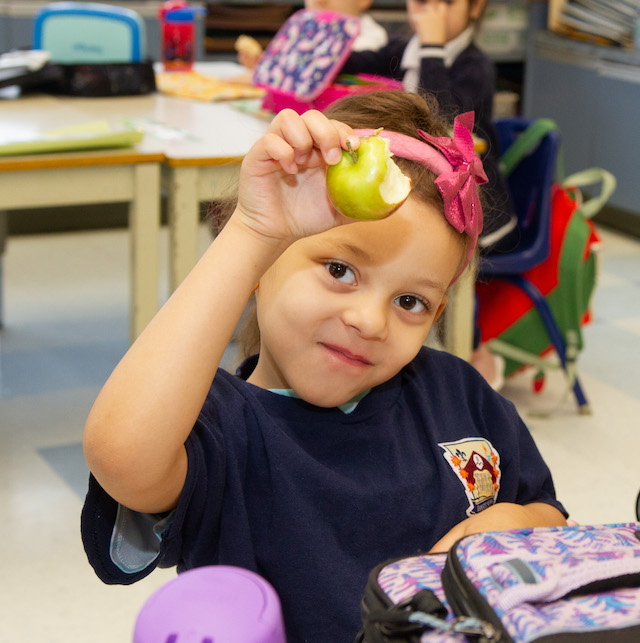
<point>525,144</point>
<point>590,176</point>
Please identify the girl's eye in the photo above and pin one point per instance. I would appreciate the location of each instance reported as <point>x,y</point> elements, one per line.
<point>341,272</point>
<point>412,304</point>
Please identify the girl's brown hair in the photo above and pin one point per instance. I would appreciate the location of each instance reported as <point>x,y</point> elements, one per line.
<point>395,111</point>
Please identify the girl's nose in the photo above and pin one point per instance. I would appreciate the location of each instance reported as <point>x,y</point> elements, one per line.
<point>368,315</point>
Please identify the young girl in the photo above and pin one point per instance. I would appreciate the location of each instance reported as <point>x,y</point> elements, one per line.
<point>342,443</point>
<point>372,35</point>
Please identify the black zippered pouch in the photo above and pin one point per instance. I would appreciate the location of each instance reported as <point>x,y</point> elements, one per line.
<point>88,80</point>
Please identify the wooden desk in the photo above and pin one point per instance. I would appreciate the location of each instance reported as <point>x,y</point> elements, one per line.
<point>99,177</point>
<point>203,145</point>
<point>197,161</point>
<point>201,162</point>
<point>75,178</point>
<point>459,316</point>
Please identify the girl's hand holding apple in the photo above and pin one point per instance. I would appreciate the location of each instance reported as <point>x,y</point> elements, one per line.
<point>282,195</point>
<point>367,184</point>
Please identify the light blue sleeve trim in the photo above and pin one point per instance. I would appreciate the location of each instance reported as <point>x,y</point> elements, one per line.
<point>136,538</point>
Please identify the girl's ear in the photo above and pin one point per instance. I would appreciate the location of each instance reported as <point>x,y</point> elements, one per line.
<point>477,9</point>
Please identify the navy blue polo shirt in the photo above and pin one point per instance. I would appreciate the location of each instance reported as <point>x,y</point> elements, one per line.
<point>312,499</point>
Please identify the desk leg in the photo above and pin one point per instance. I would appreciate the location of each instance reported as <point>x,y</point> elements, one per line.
<point>458,321</point>
<point>144,227</point>
<point>184,218</point>
<point>4,220</point>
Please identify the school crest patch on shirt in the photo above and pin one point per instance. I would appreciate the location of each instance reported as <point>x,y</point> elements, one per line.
<point>477,465</point>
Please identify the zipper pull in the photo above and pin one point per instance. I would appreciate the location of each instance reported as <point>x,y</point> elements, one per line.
<point>470,625</point>
<point>475,627</point>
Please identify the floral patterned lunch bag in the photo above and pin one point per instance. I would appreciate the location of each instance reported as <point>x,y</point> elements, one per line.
<point>578,584</point>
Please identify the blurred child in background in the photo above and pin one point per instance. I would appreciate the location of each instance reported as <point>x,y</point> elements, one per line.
<point>372,35</point>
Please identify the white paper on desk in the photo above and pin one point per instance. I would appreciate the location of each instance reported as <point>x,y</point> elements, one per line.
<point>161,131</point>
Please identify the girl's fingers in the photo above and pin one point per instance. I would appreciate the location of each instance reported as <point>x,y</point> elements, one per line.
<point>277,149</point>
<point>324,134</point>
<point>313,131</point>
<point>346,134</point>
<point>330,136</point>
<point>289,126</point>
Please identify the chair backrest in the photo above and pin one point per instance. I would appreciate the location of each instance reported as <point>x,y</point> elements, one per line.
<point>530,178</point>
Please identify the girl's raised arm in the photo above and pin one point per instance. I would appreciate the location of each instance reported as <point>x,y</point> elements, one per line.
<point>135,433</point>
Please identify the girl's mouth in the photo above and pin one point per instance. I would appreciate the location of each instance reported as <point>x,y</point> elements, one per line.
<point>347,356</point>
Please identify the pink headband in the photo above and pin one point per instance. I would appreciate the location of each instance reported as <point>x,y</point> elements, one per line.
<point>457,167</point>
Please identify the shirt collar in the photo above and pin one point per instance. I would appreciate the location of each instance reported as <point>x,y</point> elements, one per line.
<point>346,408</point>
<point>452,49</point>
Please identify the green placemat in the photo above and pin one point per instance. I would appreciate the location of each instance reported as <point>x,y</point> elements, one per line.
<point>89,136</point>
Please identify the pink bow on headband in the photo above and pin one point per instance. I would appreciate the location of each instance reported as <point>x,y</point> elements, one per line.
<point>457,166</point>
<point>458,187</point>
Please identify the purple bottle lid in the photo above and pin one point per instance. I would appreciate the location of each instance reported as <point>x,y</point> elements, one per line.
<point>216,604</point>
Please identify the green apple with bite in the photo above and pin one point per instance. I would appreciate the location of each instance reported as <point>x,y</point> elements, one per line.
<point>367,184</point>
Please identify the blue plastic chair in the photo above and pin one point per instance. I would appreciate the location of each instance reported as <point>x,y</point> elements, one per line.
<point>530,170</point>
